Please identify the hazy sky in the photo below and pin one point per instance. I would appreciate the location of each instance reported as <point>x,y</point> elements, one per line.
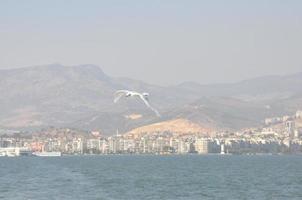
<point>162,42</point>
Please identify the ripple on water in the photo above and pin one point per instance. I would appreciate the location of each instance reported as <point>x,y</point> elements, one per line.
<point>151,177</point>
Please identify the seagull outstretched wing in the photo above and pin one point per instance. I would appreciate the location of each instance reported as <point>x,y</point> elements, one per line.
<point>119,94</point>
<point>149,106</point>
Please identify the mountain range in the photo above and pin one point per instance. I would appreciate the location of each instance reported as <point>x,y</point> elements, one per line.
<point>82,97</point>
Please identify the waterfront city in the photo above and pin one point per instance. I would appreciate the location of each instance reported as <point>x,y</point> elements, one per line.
<point>278,135</point>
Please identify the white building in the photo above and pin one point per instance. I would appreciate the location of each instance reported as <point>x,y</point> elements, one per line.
<point>299,114</point>
<point>10,151</point>
<point>93,145</point>
<point>202,146</point>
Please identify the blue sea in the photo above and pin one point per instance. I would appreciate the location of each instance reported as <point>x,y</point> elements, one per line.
<point>151,177</point>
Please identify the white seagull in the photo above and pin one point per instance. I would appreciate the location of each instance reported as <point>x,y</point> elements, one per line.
<point>143,96</point>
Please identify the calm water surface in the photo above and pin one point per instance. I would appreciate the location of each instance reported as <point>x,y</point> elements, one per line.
<point>151,177</point>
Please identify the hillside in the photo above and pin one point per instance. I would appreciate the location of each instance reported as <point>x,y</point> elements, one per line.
<point>177,127</point>
<point>81,97</point>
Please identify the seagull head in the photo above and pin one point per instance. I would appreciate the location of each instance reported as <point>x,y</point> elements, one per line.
<point>145,94</point>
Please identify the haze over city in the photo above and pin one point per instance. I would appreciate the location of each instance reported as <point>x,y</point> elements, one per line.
<point>161,99</point>
<point>201,41</point>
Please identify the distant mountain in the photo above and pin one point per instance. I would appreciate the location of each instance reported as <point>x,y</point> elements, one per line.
<point>267,87</point>
<point>56,95</point>
<point>81,97</point>
<point>224,113</point>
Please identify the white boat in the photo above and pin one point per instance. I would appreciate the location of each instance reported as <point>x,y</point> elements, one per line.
<point>48,154</point>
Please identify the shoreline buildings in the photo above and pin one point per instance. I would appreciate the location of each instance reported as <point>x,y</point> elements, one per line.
<point>284,138</point>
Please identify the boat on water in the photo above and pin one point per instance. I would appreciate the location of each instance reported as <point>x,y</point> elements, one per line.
<point>48,154</point>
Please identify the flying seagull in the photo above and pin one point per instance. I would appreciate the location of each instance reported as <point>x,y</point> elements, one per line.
<point>143,96</point>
